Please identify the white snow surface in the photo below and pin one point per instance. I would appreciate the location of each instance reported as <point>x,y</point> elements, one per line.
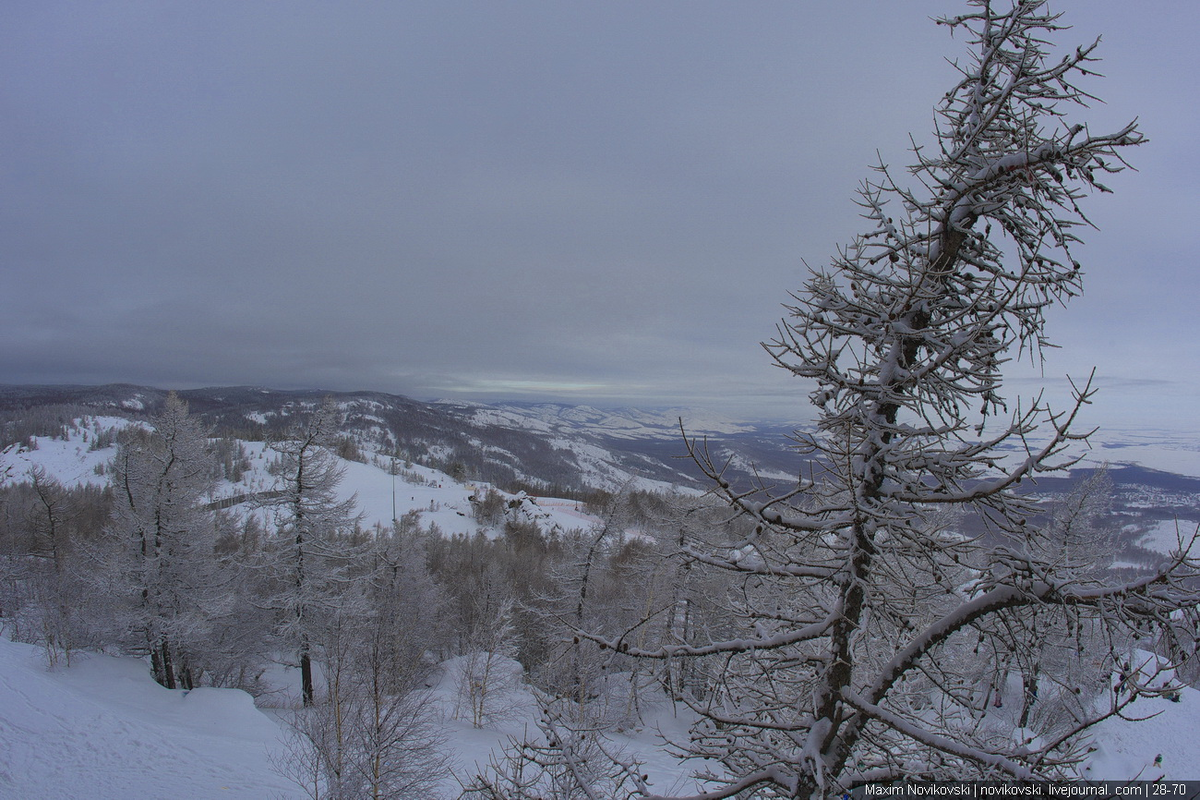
<point>1176,451</point>
<point>70,460</point>
<point>103,729</point>
<point>439,499</point>
<point>1167,450</point>
<point>1159,740</point>
<point>1127,750</point>
<point>1167,535</point>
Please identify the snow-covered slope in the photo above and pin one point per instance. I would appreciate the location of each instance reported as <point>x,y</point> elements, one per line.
<point>79,459</point>
<point>1164,745</point>
<point>103,729</point>
<point>620,423</point>
<point>384,489</point>
<point>1159,738</point>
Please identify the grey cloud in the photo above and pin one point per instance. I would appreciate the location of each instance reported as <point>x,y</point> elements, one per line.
<point>463,196</point>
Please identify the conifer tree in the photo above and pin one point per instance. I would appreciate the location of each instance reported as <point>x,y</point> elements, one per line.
<point>157,556</point>
<point>310,550</point>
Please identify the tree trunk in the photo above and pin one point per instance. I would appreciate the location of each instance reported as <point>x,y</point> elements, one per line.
<point>168,669</point>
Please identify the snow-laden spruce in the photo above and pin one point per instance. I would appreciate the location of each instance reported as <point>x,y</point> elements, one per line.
<point>867,640</point>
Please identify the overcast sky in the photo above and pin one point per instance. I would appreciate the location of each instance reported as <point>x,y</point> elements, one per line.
<point>600,202</point>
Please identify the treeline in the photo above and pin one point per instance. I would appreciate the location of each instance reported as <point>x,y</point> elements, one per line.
<point>20,426</point>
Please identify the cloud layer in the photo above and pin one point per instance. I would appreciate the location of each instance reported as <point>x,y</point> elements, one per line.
<point>602,201</point>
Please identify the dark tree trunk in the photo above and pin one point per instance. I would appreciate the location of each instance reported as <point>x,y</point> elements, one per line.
<point>156,666</point>
<point>306,678</point>
<point>168,669</point>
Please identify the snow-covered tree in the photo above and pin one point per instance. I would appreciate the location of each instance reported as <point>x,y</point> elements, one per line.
<point>865,627</point>
<point>371,732</point>
<point>156,560</point>
<point>310,549</point>
<point>606,580</point>
<point>39,589</point>
<point>489,672</point>
<point>561,762</point>
<point>47,522</point>
<point>59,596</point>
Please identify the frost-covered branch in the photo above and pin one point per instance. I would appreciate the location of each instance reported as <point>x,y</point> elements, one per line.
<point>863,633</point>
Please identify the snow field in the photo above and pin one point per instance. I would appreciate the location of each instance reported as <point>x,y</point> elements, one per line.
<point>69,460</point>
<point>1167,535</point>
<point>103,729</point>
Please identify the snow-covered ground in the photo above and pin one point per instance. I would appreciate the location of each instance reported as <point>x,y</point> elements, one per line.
<point>473,748</point>
<point>433,494</point>
<point>1168,535</point>
<point>1128,750</point>
<point>1166,450</point>
<point>1158,739</point>
<point>72,460</point>
<point>103,729</point>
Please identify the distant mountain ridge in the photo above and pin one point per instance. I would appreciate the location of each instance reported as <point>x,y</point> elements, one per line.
<point>620,423</point>
<point>541,444</point>
<point>548,447</point>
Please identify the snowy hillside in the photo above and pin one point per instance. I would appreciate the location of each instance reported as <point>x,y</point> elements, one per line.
<point>384,489</point>
<point>103,729</point>
<point>578,449</point>
<point>78,459</point>
<point>625,423</point>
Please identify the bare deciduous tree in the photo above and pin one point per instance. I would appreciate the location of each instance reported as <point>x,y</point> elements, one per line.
<point>561,762</point>
<point>871,641</point>
<point>372,731</point>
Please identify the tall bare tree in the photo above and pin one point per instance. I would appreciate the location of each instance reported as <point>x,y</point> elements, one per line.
<point>866,629</point>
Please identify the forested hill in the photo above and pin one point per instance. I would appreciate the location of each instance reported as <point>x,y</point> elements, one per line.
<point>542,446</point>
<point>559,449</point>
